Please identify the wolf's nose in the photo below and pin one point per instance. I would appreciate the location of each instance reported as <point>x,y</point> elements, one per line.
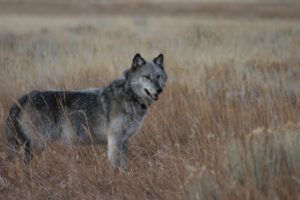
<point>159,91</point>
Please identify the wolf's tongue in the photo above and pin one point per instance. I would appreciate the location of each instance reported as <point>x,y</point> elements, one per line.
<point>155,96</point>
<point>147,92</point>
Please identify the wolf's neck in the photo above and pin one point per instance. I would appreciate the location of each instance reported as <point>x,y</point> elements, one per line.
<point>137,99</point>
<point>133,97</point>
<point>122,87</point>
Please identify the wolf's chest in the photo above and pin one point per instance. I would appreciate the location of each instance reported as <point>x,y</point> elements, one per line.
<point>129,120</point>
<point>132,124</point>
<point>125,118</point>
<point>133,119</point>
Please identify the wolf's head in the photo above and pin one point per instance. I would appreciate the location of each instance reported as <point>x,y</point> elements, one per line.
<point>147,79</point>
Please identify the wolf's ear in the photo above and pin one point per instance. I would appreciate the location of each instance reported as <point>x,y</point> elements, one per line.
<point>137,61</point>
<point>159,60</point>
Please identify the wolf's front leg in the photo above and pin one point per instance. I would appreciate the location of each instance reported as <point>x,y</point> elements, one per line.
<point>118,149</point>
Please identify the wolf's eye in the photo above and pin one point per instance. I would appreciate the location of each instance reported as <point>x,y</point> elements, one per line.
<point>147,77</point>
<point>158,76</point>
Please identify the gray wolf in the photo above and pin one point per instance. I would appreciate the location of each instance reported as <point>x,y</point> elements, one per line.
<point>109,115</point>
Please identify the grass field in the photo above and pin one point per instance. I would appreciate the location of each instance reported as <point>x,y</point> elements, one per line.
<point>226,127</point>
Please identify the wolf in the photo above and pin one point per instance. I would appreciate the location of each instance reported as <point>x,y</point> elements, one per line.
<point>109,115</point>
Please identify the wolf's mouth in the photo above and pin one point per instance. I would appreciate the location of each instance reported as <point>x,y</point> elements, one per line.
<point>154,97</point>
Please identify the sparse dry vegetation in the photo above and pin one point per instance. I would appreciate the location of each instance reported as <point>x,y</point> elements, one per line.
<point>226,127</point>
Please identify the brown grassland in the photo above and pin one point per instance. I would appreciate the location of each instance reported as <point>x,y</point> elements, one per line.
<point>227,125</point>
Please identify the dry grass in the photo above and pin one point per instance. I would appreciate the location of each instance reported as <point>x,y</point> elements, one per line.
<point>226,127</point>
<point>288,9</point>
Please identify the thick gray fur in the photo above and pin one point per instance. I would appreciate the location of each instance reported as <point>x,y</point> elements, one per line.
<point>110,115</point>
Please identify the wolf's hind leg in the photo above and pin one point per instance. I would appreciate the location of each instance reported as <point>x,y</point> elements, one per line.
<point>28,152</point>
<point>13,149</point>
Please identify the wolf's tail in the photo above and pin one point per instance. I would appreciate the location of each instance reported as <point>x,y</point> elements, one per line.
<point>15,135</point>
